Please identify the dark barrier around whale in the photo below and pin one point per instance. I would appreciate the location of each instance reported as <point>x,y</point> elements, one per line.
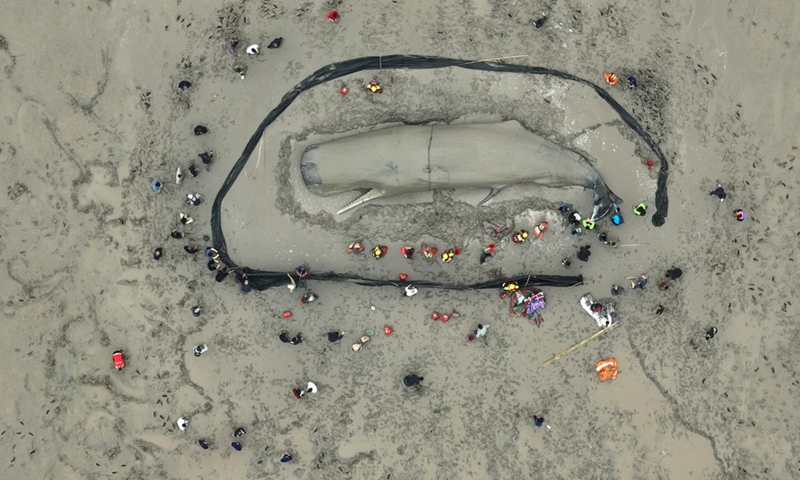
<point>262,279</point>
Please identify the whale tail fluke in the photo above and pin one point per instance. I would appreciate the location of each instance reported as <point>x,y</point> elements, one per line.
<point>604,202</point>
<point>371,194</point>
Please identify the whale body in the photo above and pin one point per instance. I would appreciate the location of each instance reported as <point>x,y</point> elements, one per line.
<point>418,158</point>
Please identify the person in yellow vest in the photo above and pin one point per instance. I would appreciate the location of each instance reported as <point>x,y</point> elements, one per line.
<point>374,87</point>
<point>379,251</point>
<point>588,224</point>
<point>520,236</point>
<point>448,255</point>
<point>510,286</point>
<point>640,210</point>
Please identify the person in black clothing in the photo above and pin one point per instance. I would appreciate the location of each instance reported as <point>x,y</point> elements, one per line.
<point>176,234</point>
<point>158,253</point>
<point>584,253</point>
<point>296,340</point>
<point>711,333</point>
<point>200,130</point>
<point>674,273</point>
<point>207,157</point>
<point>411,380</point>
<point>275,43</point>
<point>190,249</point>
<point>335,336</point>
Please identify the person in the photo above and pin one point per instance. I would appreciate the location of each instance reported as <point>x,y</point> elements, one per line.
<point>193,170</point>
<point>200,130</point>
<point>711,333</point>
<point>520,237</point>
<point>574,219</point>
<point>184,85</point>
<point>576,231</point>
<point>481,330</point>
<point>309,297</point>
<point>212,253</point>
<point>300,392</point>
<point>333,16</point>
<point>374,87</point>
<point>297,339</point>
<point>564,209</point>
<point>640,283</point>
<point>236,446</point>
<point>239,432</point>
<point>611,78</point>
<point>378,251</point>
<point>158,253</point>
<point>674,273</point>
<point>246,287</point>
<point>276,43</point>
<point>253,49</point>
<point>616,218</point>
<point>584,253</point>
<point>411,380</point>
<point>286,457</point>
<point>566,262</point>
<point>739,214</point>
<point>487,253</point>
<point>539,229</point>
<point>407,252</point>
<point>588,224</point>
<point>617,290</point>
<point>240,70</point>
<point>603,237</point>
<point>429,252</point>
<point>176,234</point>
<point>640,210</point>
<point>335,336</point>
<point>301,271</point>
<point>539,23</point>
<point>196,310</point>
<point>157,185</point>
<point>232,44</point>
<point>510,286</point>
<point>203,444</point>
<point>719,192</point>
<point>663,285</point>
<point>213,264</point>
<point>191,250</point>
<point>194,199</point>
<point>199,350</point>
<point>207,157</point>
<point>355,247</point>
<point>538,420</point>
<point>178,175</point>
<point>632,82</point>
<point>448,255</point>
<point>222,275</point>
<point>660,309</point>
<point>182,423</point>
<point>409,291</point>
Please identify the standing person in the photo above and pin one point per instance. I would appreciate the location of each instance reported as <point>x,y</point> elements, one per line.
<point>194,199</point>
<point>411,380</point>
<point>378,251</point>
<point>286,457</point>
<point>640,210</point>
<point>719,192</point>
<point>199,350</point>
<point>197,310</point>
<point>200,130</point>
<point>538,420</point>
<point>739,215</point>
<point>158,253</point>
<point>335,336</point>
<point>355,247</point>
<point>584,253</point>
<point>276,43</point>
<point>659,309</point>
<point>207,157</point>
<point>309,297</point>
<point>253,49</point>
<point>186,219</point>
<point>240,70</point>
<point>239,432</point>
<point>237,446</point>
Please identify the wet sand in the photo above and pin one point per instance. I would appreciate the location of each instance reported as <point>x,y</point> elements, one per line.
<point>92,115</point>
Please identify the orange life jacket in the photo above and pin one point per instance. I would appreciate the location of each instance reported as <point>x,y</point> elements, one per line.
<point>606,369</point>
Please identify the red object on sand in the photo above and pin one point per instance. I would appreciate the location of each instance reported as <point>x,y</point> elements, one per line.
<point>344,90</point>
<point>445,318</point>
<point>119,360</point>
<point>388,330</point>
<point>435,316</point>
<point>287,314</point>
<point>457,251</point>
<point>649,163</point>
<point>334,16</point>
<point>403,277</point>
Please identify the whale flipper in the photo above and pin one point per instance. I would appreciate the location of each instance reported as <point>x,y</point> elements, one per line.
<point>371,194</point>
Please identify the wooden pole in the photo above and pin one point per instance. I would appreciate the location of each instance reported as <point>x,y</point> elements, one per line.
<point>583,342</point>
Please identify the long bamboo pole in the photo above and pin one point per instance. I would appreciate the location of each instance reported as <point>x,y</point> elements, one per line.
<point>583,342</point>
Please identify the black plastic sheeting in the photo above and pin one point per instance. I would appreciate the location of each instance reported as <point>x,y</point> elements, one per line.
<point>262,279</point>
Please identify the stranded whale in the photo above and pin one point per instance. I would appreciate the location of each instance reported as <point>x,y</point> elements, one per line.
<point>416,158</point>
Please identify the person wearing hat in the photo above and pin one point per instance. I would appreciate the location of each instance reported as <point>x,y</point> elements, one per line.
<point>409,291</point>
<point>640,210</point>
<point>411,380</point>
